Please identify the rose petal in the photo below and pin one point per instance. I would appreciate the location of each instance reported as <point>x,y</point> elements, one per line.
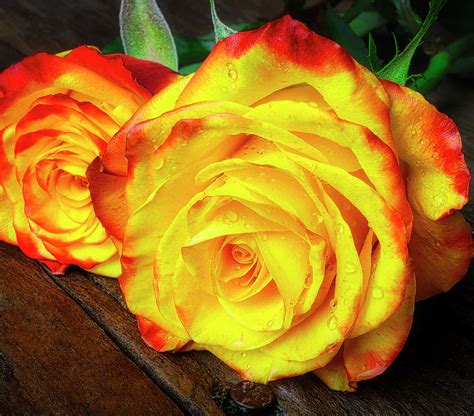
<point>429,142</point>
<point>441,251</point>
<point>370,354</point>
<point>248,66</point>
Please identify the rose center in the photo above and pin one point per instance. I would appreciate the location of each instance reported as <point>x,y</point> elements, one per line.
<point>242,254</point>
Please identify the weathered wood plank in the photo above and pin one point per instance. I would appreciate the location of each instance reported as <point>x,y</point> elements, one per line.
<point>180,375</point>
<point>54,359</point>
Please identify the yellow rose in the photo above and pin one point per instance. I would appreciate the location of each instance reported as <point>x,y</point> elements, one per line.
<point>267,214</point>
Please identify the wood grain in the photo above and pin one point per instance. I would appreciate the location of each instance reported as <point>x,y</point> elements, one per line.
<point>55,359</point>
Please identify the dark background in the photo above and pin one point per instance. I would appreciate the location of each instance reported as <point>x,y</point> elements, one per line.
<point>68,346</point>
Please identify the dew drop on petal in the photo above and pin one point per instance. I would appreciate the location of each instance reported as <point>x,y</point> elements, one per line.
<point>350,267</point>
<point>331,347</point>
<point>378,293</point>
<point>307,281</point>
<point>437,243</point>
<point>333,303</point>
<point>159,162</point>
<point>244,354</point>
<point>232,72</point>
<point>263,236</point>
<point>339,228</point>
<point>332,323</point>
<point>232,216</point>
<point>270,323</point>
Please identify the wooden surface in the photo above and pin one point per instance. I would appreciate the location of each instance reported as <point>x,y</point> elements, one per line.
<point>69,346</point>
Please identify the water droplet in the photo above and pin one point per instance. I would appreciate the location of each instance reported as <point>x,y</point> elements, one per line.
<point>232,216</point>
<point>339,228</point>
<point>232,72</point>
<point>437,243</point>
<point>439,200</point>
<point>270,323</point>
<point>247,225</point>
<point>350,267</point>
<point>333,303</point>
<point>264,236</point>
<point>307,281</point>
<point>313,104</point>
<point>332,322</point>
<point>233,85</point>
<point>159,162</point>
<point>243,354</point>
<point>237,267</point>
<point>422,142</point>
<point>378,293</point>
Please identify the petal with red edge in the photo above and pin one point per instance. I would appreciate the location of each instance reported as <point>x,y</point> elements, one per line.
<point>248,66</point>
<point>441,251</point>
<point>429,142</point>
<point>334,375</point>
<point>370,354</point>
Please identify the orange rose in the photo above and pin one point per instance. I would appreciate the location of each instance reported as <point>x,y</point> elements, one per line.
<point>268,205</point>
<point>56,115</point>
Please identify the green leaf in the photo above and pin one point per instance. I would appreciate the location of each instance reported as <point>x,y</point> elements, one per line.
<point>189,69</point>
<point>356,9</point>
<point>114,46</point>
<point>145,33</point>
<point>397,69</point>
<point>192,50</point>
<point>441,63</point>
<point>374,61</point>
<point>406,16</point>
<point>366,22</point>
<point>338,30</point>
<point>220,29</point>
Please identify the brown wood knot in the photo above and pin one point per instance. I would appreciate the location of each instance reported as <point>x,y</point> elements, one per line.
<point>251,396</point>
